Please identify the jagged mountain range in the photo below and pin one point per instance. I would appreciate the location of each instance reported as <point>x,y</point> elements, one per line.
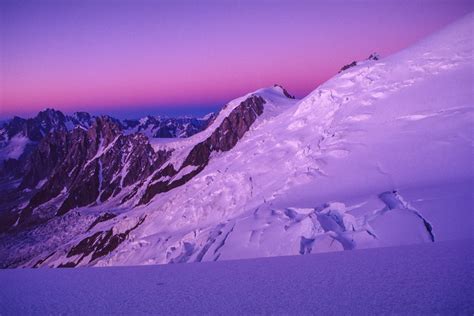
<point>369,158</point>
<point>19,136</point>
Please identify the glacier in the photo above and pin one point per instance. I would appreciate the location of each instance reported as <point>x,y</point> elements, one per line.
<point>379,155</point>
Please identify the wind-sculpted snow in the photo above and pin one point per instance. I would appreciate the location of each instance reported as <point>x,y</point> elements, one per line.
<point>380,155</point>
<point>268,231</point>
<point>430,279</point>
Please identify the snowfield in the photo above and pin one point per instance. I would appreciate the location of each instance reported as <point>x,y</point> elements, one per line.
<point>380,155</point>
<point>423,279</point>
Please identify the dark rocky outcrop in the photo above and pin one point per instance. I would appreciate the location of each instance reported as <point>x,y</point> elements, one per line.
<point>47,156</point>
<point>288,95</point>
<point>99,244</point>
<point>373,56</point>
<point>345,67</point>
<point>41,261</point>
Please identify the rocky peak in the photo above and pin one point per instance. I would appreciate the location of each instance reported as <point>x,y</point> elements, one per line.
<point>103,131</point>
<point>83,119</point>
<point>49,153</point>
<point>50,115</point>
<point>39,126</point>
<point>345,67</point>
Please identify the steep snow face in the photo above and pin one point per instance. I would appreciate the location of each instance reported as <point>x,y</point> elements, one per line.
<point>379,155</point>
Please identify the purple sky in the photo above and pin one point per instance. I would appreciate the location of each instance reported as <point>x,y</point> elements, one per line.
<point>127,58</point>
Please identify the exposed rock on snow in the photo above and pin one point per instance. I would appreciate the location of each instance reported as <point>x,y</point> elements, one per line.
<point>373,56</point>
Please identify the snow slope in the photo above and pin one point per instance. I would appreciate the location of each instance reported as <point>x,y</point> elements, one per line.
<point>379,155</point>
<point>435,279</point>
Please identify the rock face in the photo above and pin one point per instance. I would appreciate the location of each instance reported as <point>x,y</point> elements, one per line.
<point>224,138</point>
<point>99,244</point>
<point>289,96</point>
<point>79,160</point>
<point>24,134</point>
<point>345,67</point>
<point>49,154</point>
<point>86,167</point>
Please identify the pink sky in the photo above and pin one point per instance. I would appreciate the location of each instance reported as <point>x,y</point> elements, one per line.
<point>118,56</point>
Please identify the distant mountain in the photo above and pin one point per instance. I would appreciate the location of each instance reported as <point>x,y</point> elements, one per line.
<point>46,121</point>
<point>379,155</point>
<point>165,127</point>
<point>19,136</point>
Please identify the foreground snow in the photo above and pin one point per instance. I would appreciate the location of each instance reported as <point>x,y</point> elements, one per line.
<point>423,279</point>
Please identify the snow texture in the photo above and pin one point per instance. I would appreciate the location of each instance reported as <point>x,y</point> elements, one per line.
<point>423,279</point>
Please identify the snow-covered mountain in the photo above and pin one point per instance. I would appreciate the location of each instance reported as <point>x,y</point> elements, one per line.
<point>379,155</point>
<point>165,127</point>
<point>19,137</point>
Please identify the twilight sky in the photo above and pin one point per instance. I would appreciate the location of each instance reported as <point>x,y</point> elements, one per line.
<point>128,58</point>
